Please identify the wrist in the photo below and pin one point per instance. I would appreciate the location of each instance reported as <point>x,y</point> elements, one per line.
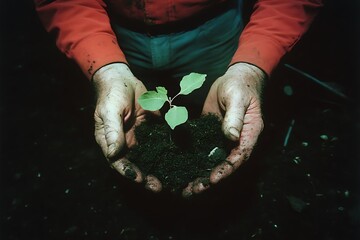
<point>251,69</point>
<point>248,75</point>
<point>108,75</point>
<point>111,71</point>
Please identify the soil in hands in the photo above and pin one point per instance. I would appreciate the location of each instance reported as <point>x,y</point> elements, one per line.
<point>180,156</point>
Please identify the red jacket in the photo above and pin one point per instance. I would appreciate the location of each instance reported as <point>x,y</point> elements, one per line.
<point>84,33</point>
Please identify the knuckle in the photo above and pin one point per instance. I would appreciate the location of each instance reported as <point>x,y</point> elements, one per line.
<point>98,137</point>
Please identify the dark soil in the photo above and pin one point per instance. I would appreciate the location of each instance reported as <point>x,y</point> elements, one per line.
<point>180,156</point>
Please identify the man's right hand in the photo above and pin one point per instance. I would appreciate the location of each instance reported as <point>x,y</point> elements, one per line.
<point>116,115</point>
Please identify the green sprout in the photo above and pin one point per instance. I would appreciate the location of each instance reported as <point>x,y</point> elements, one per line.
<point>176,115</point>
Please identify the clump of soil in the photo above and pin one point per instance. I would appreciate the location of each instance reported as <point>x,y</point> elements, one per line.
<point>180,156</point>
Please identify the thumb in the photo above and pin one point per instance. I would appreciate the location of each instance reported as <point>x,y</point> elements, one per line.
<point>233,120</point>
<point>109,133</point>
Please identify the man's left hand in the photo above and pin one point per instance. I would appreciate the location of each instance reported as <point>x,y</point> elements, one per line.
<point>236,99</point>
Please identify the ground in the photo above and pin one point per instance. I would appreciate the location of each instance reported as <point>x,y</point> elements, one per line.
<point>57,185</point>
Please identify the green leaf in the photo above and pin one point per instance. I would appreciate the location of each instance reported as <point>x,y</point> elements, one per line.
<point>152,100</point>
<point>161,90</point>
<point>191,82</point>
<point>176,116</point>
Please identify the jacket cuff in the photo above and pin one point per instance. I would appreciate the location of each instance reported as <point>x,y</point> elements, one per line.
<point>260,51</point>
<point>94,52</point>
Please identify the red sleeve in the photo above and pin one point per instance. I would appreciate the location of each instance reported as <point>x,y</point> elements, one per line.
<point>274,28</point>
<point>83,31</point>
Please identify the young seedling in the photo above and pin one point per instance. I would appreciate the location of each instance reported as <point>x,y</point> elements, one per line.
<point>176,115</point>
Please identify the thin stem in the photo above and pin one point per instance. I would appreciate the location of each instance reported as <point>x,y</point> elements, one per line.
<point>170,102</point>
<point>176,96</point>
<point>172,99</point>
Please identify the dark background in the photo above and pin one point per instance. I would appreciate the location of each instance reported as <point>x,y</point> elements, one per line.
<point>55,183</point>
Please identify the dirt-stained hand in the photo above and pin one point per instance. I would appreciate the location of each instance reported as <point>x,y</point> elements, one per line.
<point>116,115</point>
<point>236,99</point>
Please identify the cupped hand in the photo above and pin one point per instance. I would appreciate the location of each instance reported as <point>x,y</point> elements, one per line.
<point>116,115</point>
<point>236,99</point>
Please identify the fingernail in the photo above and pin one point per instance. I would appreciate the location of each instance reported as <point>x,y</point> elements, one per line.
<point>187,194</point>
<point>205,183</point>
<point>149,186</point>
<point>130,173</point>
<point>234,132</point>
<point>202,187</point>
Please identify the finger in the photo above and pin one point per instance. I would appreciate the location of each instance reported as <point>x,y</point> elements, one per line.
<point>200,185</point>
<point>233,120</point>
<point>221,171</point>
<point>109,131</point>
<point>127,169</point>
<point>100,134</point>
<point>188,191</point>
<point>196,187</point>
<point>152,183</point>
<point>114,134</point>
<point>248,140</point>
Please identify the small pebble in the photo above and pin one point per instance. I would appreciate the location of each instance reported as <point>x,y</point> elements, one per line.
<point>297,204</point>
<point>212,151</point>
<point>297,160</point>
<point>152,237</point>
<point>288,90</point>
<point>305,144</point>
<point>16,201</point>
<point>333,139</point>
<point>19,66</point>
<point>70,230</point>
<point>324,137</point>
